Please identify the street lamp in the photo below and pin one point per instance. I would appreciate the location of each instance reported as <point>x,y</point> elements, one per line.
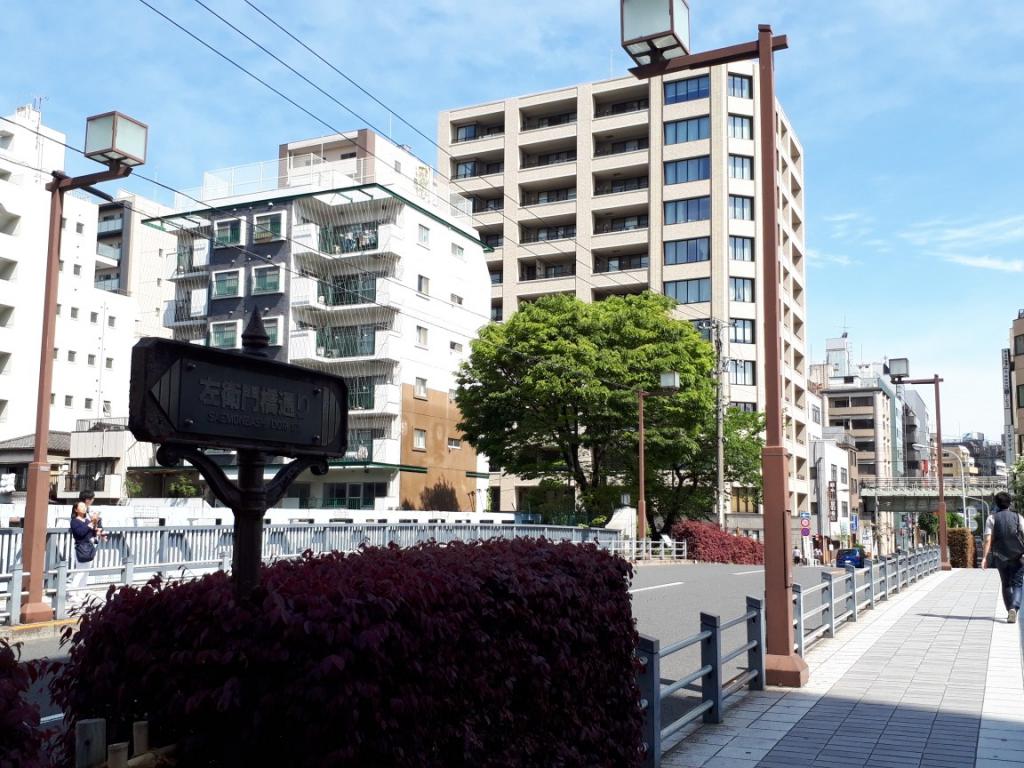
<point>963,480</point>
<point>119,142</point>
<point>641,20</point>
<point>668,382</point>
<point>899,370</point>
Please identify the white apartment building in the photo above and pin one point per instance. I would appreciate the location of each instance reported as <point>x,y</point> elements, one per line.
<point>94,332</point>
<point>623,186</point>
<point>349,248</point>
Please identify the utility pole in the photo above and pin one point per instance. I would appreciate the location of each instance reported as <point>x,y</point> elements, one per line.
<point>720,362</point>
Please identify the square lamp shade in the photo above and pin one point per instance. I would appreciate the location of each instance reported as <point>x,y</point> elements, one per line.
<point>655,30</point>
<point>899,367</point>
<point>669,380</point>
<point>115,138</point>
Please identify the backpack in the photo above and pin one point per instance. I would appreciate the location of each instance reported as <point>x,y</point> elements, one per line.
<point>1007,540</point>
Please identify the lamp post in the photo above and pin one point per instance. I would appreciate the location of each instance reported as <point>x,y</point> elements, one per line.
<point>119,142</point>
<point>656,35</point>
<point>963,480</point>
<point>669,383</point>
<point>899,370</point>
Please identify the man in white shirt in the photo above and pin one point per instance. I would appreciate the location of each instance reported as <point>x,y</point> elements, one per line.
<point>1004,540</point>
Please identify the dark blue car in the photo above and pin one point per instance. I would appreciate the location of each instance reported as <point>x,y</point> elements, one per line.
<point>854,557</point>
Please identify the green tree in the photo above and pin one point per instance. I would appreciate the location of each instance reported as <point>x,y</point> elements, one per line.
<point>551,393</point>
<point>1015,484</point>
<point>929,522</point>
<point>182,487</point>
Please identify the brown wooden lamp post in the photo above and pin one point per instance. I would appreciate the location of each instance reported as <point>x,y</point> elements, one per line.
<point>119,142</point>
<point>655,33</point>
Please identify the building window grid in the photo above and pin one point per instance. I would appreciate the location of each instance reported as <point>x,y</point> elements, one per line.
<point>741,248</point>
<point>741,208</point>
<point>693,291</point>
<point>689,251</point>
<point>741,289</point>
<point>692,129</point>
<point>691,169</point>
<point>742,372</point>
<point>741,167</point>
<point>266,280</point>
<point>741,127</point>
<point>741,331</point>
<point>683,211</point>
<point>690,89</point>
<point>226,284</point>
<point>741,86</point>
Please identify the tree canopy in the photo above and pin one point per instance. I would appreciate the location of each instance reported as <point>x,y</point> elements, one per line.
<point>552,394</point>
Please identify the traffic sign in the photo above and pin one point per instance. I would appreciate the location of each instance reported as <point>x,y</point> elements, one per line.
<point>854,523</point>
<point>805,526</point>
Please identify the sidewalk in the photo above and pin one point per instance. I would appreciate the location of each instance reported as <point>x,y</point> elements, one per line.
<point>931,678</point>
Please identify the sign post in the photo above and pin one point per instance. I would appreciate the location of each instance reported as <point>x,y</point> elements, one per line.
<point>188,398</point>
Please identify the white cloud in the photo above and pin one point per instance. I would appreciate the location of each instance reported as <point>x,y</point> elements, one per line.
<point>818,258</point>
<point>981,234</point>
<point>987,262</point>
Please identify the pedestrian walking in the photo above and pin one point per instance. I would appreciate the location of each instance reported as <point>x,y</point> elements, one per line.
<point>1004,541</point>
<point>83,535</point>
<point>796,555</point>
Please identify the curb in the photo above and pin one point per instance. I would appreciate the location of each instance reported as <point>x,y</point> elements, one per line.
<point>41,631</point>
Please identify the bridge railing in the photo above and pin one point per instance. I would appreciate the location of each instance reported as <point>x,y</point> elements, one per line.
<point>930,484</point>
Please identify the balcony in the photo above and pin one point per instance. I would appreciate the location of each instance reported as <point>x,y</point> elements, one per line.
<point>621,108</point>
<point>352,241</point>
<point>548,234</point>
<point>110,226</point>
<point>110,252</point>
<point>624,224</point>
<point>379,399</point>
<point>186,267</point>
<point>604,265</point>
<point>619,186</point>
<point>181,312</point>
<point>375,297</point>
<point>352,353</point>
<point>531,272</point>
<point>112,284</point>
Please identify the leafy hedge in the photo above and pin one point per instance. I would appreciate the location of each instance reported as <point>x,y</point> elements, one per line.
<point>21,742</point>
<point>961,547</point>
<point>710,544</point>
<point>494,654</point>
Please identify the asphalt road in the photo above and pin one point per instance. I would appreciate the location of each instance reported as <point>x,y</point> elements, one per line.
<point>667,603</point>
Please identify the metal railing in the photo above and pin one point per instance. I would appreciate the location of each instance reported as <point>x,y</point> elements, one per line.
<point>869,485</point>
<point>714,690</point>
<point>844,594</point>
<point>647,549</point>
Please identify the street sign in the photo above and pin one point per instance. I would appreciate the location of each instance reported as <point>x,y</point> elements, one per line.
<point>186,394</point>
<point>854,522</point>
<point>833,508</point>
<point>805,526</point>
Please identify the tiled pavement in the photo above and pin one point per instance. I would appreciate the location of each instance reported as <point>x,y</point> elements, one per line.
<point>933,677</point>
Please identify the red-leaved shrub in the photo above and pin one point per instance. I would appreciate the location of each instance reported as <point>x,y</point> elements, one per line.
<point>710,544</point>
<point>495,654</point>
<point>21,741</point>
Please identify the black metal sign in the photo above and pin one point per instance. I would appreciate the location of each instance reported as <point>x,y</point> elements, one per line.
<point>182,393</point>
<point>833,512</point>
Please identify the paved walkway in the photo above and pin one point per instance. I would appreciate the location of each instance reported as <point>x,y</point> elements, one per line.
<point>931,678</point>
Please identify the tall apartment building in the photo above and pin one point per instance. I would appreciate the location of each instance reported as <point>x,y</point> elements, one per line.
<point>835,498</point>
<point>349,248</point>
<point>94,332</point>
<point>1013,392</point>
<point>623,186</point>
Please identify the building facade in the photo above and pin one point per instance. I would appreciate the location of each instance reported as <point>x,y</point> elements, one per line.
<point>623,186</point>
<point>95,328</point>
<point>1013,391</point>
<point>359,266</point>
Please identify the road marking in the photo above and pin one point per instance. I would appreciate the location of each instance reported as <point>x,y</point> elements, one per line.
<point>744,573</point>
<point>659,586</point>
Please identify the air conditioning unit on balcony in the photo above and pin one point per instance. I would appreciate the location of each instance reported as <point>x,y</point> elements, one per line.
<point>320,351</point>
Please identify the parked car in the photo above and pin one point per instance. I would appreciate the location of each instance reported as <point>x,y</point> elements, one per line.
<point>854,557</point>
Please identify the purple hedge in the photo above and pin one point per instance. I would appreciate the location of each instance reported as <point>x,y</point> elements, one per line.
<point>710,544</point>
<point>21,741</point>
<point>494,654</point>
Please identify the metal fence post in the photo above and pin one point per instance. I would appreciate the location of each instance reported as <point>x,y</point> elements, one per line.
<point>828,600</point>
<point>648,650</point>
<point>851,598</point>
<point>225,561</point>
<point>870,565</point>
<point>162,552</point>
<point>755,634</point>
<point>798,596</point>
<point>61,598</point>
<point>883,579</point>
<point>129,570</point>
<point>14,598</point>
<point>711,656</point>
<point>898,579</point>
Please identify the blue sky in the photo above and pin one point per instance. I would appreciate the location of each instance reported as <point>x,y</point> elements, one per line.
<point>909,112</point>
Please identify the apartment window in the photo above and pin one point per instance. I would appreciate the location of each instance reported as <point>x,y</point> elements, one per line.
<point>106,408</point>
<point>228,232</point>
<point>741,248</point>
<point>682,211</point>
<point>742,372</point>
<point>741,167</point>
<point>454,443</point>
<point>741,331</point>
<point>496,278</point>
<point>458,251</point>
<point>266,280</point>
<point>424,235</point>
<point>694,129</point>
<point>91,360</point>
<point>844,475</point>
<point>267,227</point>
<point>79,227</point>
<point>816,414</point>
<point>693,169</point>
<point>69,401</point>
<point>687,90</point>
<point>1018,344</point>
<point>744,406</point>
<point>419,439</point>
<point>744,501</point>
<point>225,285</point>
<point>72,355</point>
<point>76,270</point>
<point>455,347</point>
<point>1020,396</point>
<point>689,291</point>
<point>273,328</point>
<point>224,335</point>
<point>423,284</point>
<point>835,473</point>
<point>111,321</point>
<point>687,251</point>
<point>456,299</point>
<point>420,389</point>
<point>74,313</point>
<point>421,336</point>
<point>846,509</point>
<point>741,289</point>
<point>741,127</point>
<point>88,403</point>
<point>496,314</point>
<point>94,317</point>
<point>465,132</point>
<point>741,208</point>
<point>110,362</point>
<point>741,86</point>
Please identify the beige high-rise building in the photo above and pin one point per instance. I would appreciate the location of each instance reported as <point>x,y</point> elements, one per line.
<point>623,185</point>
